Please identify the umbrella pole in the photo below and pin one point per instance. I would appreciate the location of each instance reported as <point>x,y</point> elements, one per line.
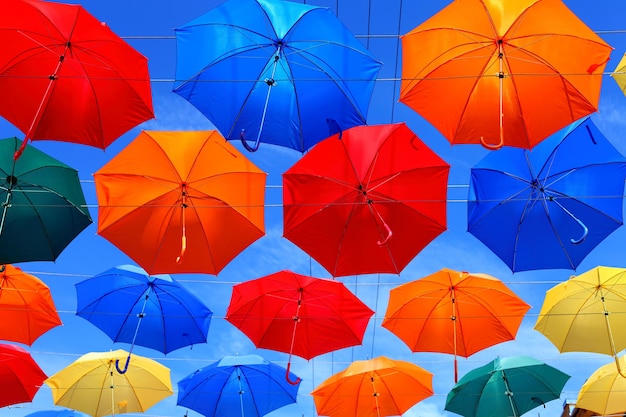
<point>611,340</point>
<point>141,315</point>
<point>501,77</point>
<point>183,244</point>
<point>296,320</point>
<point>240,392</point>
<point>375,394</point>
<point>509,394</point>
<point>453,299</point>
<point>5,208</point>
<point>112,387</point>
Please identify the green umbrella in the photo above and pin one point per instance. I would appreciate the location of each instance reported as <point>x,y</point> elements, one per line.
<point>506,387</point>
<point>42,205</point>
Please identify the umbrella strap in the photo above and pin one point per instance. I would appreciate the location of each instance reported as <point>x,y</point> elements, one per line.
<point>501,115</point>
<point>296,320</point>
<point>576,219</point>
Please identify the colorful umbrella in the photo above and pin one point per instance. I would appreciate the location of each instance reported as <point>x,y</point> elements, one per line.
<point>298,314</point>
<point>167,189</point>
<point>603,392</point>
<point>619,74</point>
<point>506,387</point>
<point>64,75</point>
<point>373,388</point>
<point>152,311</point>
<point>20,376</point>
<point>26,306</point>
<point>577,315</point>
<point>56,413</point>
<point>248,384</point>
<point>92,385</point>
<point>502,73</point>
<point>552,206</point>
<point>283,73</point>
<point>367,200</point>
<point>43,205</point>
<point>454,312</point>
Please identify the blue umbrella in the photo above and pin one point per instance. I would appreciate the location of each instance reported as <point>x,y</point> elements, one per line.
<point>283,73</point>
<point>56,413</point>
<point>151,311</point>
<point>249,385</point>
<point>549,207</point>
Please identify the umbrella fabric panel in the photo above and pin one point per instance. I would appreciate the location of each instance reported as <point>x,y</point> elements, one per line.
<point>603,392</point>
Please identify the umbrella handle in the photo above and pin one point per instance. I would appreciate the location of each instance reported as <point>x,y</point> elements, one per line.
<point>497,145</point>
<point>389,234</point>
<point>292,382</point>
<point>244,142</point>
<point>117,365</point>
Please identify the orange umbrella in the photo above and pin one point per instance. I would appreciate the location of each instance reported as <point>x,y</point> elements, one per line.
<point>454,312</point>
<point>26,306</point>
<point>502,73</point>
<point>180,202</point>
<point>373,388</point>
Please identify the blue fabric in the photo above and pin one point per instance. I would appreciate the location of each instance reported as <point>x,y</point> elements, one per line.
<point>173,316</point>
<point>57,413</point>
<point>518,199</point>
<point>214,391</point>
<point>324,76</point>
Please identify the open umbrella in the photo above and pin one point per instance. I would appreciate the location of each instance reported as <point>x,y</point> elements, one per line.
<point>248,386</point>
<point>92,385</point>
<point>502,73</point>
<point>298,314</point>
<point>366,200</point>
<point>578,315</point>
<point>56,413</point>
<point>506,387</point>
<point>152,311</point>
<point>180,202</point>
<point>43,205</point>
<point>603,392</point>
<point>619,74</point>
<point>550,207</point>
<point>283,73</point>
<point>454,312</point>
<point>373,388</point>
<point>65,75</point>
<point>20,376</point>
<point>26,306</point>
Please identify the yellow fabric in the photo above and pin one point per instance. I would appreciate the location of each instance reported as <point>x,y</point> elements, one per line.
<point>604,391</point>
<point>619,74</point>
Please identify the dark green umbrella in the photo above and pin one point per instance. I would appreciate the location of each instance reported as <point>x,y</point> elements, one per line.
<point>506,387</point>
<point>42,205</point>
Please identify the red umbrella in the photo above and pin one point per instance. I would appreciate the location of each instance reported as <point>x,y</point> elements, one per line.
<point>20,376</point>
<point>367,200</point>
<point>298,314</point>
<point>64,75</point>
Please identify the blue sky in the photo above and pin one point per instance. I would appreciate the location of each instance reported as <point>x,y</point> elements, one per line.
<point>148,25</point>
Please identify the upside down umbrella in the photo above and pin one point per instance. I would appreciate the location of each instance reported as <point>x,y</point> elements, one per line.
<point>249,386</point>
<point>454,312</point>
<point>502,73</point>
<point>283,73</point>
<point>43,205</point>
<point>180,202</point>
<point>20,376</point>
<point>152,311</point>
<point>552,206</point>
<point>373,388</point>
<point>603,392</point>
<point>66,76</point>
<point>506,387</point>
<point>26,306</point>
<point>584,313</point>
<point>298,314</point>
<point>366,200</point>
<point>91,384</point>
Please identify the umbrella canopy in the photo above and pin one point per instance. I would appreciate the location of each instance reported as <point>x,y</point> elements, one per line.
<point>167,189</point>
<point>603,391</point>
<point>297,73</point>
<point>249,386</point>
<point>502,73</point>
<point>20,376</point>
<point>26,306</point>
<point>619,74</point>
<point>92,385</point>
<point>43,205</point>
<point>506,387</point>
<point>367,200</point>
<point>454,312</point>
<point>552,206</point>
<point>373,388</point>
<point>64,75</point>
<point>152,311</point>
<point>298,314</point>
<point>56,413</point>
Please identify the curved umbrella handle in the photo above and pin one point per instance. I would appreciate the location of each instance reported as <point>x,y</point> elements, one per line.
<point>117,365</point>
<point>292,382</point>
<point>183,249</point>
<point>497,145</point>
<point>244,142</point>
<point>585,232</point>
<point>389,234</point>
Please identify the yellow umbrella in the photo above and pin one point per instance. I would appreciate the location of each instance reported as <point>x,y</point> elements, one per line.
<point>604,392</point>
<point>91,384</point>
<point>619,74</point>
<point>587,313</point>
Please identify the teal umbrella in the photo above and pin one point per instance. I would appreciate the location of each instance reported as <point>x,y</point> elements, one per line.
<point>42,205</point>
<point>506,387</point>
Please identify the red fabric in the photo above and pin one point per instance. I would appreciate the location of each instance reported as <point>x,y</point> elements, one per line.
<point>20,376</point>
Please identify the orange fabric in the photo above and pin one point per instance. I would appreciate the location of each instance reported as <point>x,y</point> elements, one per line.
<point>26,306</point>
<point>552,65</point>
<point>143,190</point>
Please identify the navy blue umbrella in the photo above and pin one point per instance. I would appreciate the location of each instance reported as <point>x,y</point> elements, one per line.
<point>249,386</point>
<point>549,207</point>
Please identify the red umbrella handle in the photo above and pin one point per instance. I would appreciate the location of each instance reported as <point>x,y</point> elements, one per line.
<point>292,382</point>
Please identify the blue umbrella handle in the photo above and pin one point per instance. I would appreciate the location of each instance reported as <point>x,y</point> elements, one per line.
<point>117,365</point>
<point>576,219</point>
<point>244,142</point>
<point>292,382</point>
